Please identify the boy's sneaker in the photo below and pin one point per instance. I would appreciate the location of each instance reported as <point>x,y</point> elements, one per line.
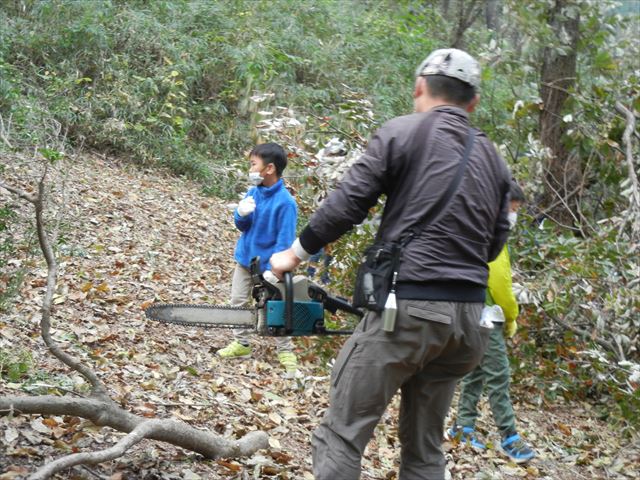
<point>235,350</point>
<point>514,447</point>
<point>465,435</point>
<point>289,361</point>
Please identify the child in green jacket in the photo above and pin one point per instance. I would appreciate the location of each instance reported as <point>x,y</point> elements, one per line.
<point>493,371</point>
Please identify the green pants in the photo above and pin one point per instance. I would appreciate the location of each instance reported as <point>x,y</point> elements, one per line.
<point>493,372</point>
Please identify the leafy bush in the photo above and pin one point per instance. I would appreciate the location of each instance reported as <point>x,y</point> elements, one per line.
<point>15,366</point>
<point>170,83</point>
<point>581,279</point>
<point>581,318</point>
<point>10,276</point>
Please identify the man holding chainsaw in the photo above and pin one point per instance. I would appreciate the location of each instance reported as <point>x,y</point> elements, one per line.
<point>442,275</point>
<point>267,218</point>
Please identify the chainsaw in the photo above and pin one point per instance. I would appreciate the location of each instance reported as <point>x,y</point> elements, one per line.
<point>295,307</point>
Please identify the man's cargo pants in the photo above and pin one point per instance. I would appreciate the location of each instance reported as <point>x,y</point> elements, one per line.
<point>433,345</point>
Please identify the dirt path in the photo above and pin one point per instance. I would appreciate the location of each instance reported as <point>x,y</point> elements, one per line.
<point>132,237</point>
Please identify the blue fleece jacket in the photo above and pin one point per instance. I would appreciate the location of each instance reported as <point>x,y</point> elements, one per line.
<point>270,228</point>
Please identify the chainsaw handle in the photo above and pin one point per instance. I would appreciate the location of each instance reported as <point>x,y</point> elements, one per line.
<point>288,302</point>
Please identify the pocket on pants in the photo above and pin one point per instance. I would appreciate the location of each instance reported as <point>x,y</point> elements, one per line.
<point>343,365</point>
<point>438,312</point>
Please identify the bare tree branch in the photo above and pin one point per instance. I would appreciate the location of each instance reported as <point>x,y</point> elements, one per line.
<point>634,198</point>
<point>563,200</point>
<point>52,272</point>
<point>108,413</point>
<point>610,347</point>
<point>5,131</point>
<point>91,458</point>
<point>29,197</point>
<point>100,408</point>
<point>144,430</point>
<point>465,18</point>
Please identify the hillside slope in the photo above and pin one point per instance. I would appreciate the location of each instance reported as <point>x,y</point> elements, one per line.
<point>130,237</point>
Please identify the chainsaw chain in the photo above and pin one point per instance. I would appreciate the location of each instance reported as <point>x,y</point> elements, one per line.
<point>148,313</point>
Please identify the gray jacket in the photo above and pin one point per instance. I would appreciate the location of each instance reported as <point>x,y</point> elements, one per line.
<point>470,232</point>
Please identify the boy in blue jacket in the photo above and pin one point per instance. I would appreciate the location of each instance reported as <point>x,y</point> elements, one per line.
<point>267,218</point>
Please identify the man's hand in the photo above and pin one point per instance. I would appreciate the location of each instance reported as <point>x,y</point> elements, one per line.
<point>246,206</point>
<point>285,261</point>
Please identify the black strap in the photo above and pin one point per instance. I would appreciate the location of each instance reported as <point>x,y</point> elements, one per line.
<point>439,207</point>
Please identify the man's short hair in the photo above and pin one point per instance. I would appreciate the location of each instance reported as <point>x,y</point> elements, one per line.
<point>450,89</point>
<point>271,153</point>
<point>516,194</point>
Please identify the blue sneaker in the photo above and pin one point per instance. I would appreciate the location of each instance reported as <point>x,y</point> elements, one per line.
<point>514,447</point>
<point>464,434</point>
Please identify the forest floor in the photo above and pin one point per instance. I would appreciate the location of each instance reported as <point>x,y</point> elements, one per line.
<point>130,237</point>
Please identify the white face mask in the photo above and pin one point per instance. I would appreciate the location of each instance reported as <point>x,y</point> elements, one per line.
<point>255,178</point>
<point>513,218</point>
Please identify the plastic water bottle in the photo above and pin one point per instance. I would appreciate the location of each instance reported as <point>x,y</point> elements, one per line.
<point>390,308</point>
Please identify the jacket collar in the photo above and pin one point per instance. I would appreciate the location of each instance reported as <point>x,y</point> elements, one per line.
<point>268,191</point>
<point>451,109</point>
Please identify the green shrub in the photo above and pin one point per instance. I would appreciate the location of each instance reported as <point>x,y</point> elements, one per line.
<point>10,276</point>
<point>170,83</point>
<point>16,365</point>
<point>581,323</point>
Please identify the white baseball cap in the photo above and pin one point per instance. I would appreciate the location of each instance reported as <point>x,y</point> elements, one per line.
<point>451,62</point>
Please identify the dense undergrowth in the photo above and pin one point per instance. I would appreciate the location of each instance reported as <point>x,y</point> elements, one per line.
<point>170,82</point>
<point>193,85</point>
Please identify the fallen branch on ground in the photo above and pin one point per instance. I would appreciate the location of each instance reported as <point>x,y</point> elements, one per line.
<point>99,407</point>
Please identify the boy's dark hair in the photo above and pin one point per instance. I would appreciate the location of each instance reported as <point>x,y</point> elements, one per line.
<point>515,192</point>
<point>271,153</point>
<point>450,89</point>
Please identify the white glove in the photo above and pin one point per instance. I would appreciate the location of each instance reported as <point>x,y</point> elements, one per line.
<point>270,277</point>
<point>246,206</point>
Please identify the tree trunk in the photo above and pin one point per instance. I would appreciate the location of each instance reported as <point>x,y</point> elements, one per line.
<point>492,10</point>
<point>467,13</point>
<point>562,171</point>
<point>445,8</point>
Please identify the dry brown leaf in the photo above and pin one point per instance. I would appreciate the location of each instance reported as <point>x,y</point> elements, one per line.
<point>234,467</point>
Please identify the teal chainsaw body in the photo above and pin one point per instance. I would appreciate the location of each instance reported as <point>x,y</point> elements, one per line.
<point>308,318</point>
<point>295,307</point>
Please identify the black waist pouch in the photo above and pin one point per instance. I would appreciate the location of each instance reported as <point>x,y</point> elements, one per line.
<point>375,275</point>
